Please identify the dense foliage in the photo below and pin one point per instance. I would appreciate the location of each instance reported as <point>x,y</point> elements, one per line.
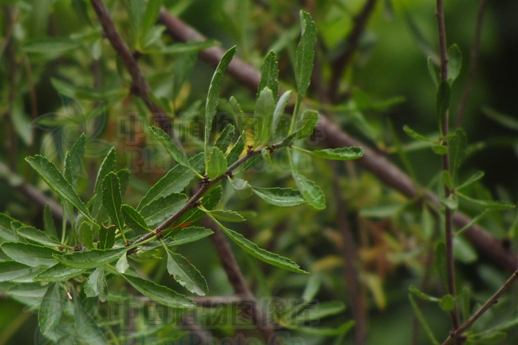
<point>164,187</point>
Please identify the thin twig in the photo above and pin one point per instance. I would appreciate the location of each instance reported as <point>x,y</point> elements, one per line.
<point>473,67</point>
<point>352,42</point>
<point>140,85</point>
<point>349,253</point>
<point>334,137</point>
<point>456,334</point>
<point>448,212</point>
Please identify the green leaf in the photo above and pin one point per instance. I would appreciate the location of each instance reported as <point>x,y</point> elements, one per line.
<point>10,270</point>
<point>284,197</point>
<point>237,149</point>
<point>213,97</point>
<point>21,123</point>
<point>305,126</point>
<point>505,120</point>
<point>263,116</point>
<point>86,330</point>
<point>414,135</point>
<point>489,204</point>
<point>472,179</point>
<point>310,191</point>
<point>434,73</point>
<point>209,202</point>
<point>38,236</point>
<point>217,164</point>
<point>440,149</point>
<point>338,154</point>
<point>106,237</point>
<point>112,199</point>
<point>188,235</point>
<point>281,122</point>
<point>425,297</point>
<point>324,309</point>
<point>108,165</point>
<point>124,178</point>
<point>96,285</point>
<point>442,101</point>
<point>259,253</point>
<point>458,145</point>
<point>159,210</point>
<point>422,320</point>
<point>171,147</point>
<point>239,116</point>
<point>463,251</point>
<point>454,63</point>
<point>323,331</point>
<point>305,53</point>
<point>174,181</point>
<point>186,47</point>
<point>159,293</point>
<point>489,337</point>
<point>440,259</point>
<point>31,254</point>
<point>133,219</point>
<point>74,160</point>
<point>447,302</point>
<point>51,175</point>
<point>53,46</point>
<point>48,222</point>
<point>242,188</point>
<point>91,258</point>
<point>447,179</point>
<point>122,264</point>
<point>59,273</point>
<point>270,75</point>
<point>451,202</point>
<point>227,216</point>
<point>186,274</point>
<point>51,309</point>
<point>6,232</point>
<point>149,20</point>
<point>226,137</point>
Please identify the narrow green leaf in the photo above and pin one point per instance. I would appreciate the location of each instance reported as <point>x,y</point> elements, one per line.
<point>74,160</point>
<point>338,154</point>
<point>263,117</point>
<point>85,235</point>
<point>51,309</point>
<point>124,178</point>
<point>227,216</point>
<point>188,235</point>
<point>281,122</point>
<point>505,120</point>
<point>186,274</point>
<point>305,53</point>
<point>59,273</point>
<point>51,175</point>
<point>269,75</point>
<point>239,116</point>
<point>422,320</point>
<point>86,330</point>
<point>451,202</point>
<point>217,164</point>
<point>489,337</point>
<point>440,259</point>
<point>106,237</point>
<point>174,181</point>
<point>439,149</point>
<point>159,210</point>
<point>48,222</point>
<point>149,19</point>
<point>213,96</point>
<point>463,251</point>
<point>10,270</point>
<point>434,73</point>
<point>305,126</point>
<point>425,297</point>
<point>284,197</point>
<point>91,258</point>
<point>442,101</point>
<point>454,62</point>
<point>53,46</point>
<point>159,293</point>
<point>112,199</point>
<point>226,137</point>
<point>38,236</point>
<point>31,254</point>
<point>324,309</point>
<point>472,179</point>
<point>310,191</point>
<point>237,149</point>
<point>261,254</point>
<point>458,145</point>
<point>489,204</point>
<point>108,165</point>
<point>242,188</point>
<point>171,147</point>
<point>187,47</point>
<point>414,135</point>
<point>6,232</point>
<point>447,302</point>
<point>96,285</point>
<point>122,264</point>
<point>447,179</point>
<point>134,219</point>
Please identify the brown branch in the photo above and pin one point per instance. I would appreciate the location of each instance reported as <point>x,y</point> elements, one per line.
<point>372,161</point>
<point>473,65</point>
<point>352,42</point>
<point>349,253</point>
<point>140,86</point>
<point>456,334</point>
